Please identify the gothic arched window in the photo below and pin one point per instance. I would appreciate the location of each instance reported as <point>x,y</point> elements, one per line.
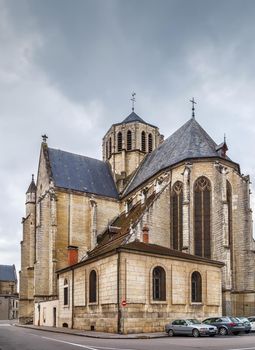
<point>150,145</point>
<point>143,141</point>
<point>159,283</point>
<point>119,141</point>
<point>229,201</point>
<point>202,217</point>
<point>93,286</point>
<point>106,150</point>
<point>110,147</point>
<point>66,292</point>
<point>196,287</point>
<point>129,140</point>
<point>176,215</point>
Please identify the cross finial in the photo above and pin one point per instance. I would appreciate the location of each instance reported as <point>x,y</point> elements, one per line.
<point>225,138</point>
<point>133,101</point>
<point>44,138</point>
<point>193,107</point>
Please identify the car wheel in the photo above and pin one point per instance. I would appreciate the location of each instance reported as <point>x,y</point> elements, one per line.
<point>212,335</point>
<point>195,333</point>
<point>235,333</point>
<point>170,333</point>
<point>247,332</point>
<point>223,331</point>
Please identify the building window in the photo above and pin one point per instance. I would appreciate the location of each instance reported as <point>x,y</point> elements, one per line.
<point>196,287</point>
<point>159,283</point>
<point>129,140</point>
<point>119,141</point>
<point>202,217</point>
<point>150,145</point>
<point>176,216</point>
<point>92,286</point>
<point>106,150</point>
<point>110,147</point>
<point>66,292</point>
<point>143,141</point>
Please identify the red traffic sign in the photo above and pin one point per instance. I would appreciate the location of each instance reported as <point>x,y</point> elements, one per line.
<point>123,303</point>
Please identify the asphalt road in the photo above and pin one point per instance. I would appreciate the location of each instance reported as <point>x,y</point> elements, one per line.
<point>16,338</point>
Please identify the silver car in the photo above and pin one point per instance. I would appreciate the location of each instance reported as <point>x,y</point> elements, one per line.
<point>190,327</point>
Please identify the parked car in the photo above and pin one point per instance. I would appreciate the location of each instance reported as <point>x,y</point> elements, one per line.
<point>252,322</point>
<point>190,327</point>
<point>226,325</point>
<point>246,323</point>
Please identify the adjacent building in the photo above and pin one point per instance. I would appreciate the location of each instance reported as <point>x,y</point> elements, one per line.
<point>9,303</point>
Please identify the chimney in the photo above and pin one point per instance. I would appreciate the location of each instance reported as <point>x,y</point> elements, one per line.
<point>145,234</point>
<point>72,255</point>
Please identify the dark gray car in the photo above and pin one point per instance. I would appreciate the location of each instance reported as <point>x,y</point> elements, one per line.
<point>190,327</point>
<point>226,325</point>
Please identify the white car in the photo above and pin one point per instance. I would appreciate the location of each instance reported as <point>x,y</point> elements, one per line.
<point>252,322</point>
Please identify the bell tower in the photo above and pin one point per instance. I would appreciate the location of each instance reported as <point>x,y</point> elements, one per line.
<point>127,143</point>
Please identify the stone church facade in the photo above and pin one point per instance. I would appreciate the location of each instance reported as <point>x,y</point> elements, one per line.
<point>157,230</point>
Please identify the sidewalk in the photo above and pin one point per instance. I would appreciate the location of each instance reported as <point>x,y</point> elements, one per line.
<point>93,334</point>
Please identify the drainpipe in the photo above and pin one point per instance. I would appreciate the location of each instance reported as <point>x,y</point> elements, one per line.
<point>72,298</point>
<point>118,294</point>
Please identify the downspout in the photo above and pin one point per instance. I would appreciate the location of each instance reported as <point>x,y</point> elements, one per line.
<point>118,294</point>
<point>72,322</point>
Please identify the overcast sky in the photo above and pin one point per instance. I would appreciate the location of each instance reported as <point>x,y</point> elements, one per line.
<point>68,68</point>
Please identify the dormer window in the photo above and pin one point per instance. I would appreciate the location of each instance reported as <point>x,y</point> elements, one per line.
<point>129,140</point>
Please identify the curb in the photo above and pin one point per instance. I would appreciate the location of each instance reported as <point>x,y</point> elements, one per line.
<point>89,335</point>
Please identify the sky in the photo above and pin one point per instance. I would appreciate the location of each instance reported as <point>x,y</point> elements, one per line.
<point>68,68</point>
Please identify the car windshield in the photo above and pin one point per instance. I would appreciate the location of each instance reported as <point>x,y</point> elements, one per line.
<point>193,321</point>
<point>244,319</point>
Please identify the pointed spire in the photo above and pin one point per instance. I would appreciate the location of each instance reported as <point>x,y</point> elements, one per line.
<point>193,107</point>
<point>32,186</point>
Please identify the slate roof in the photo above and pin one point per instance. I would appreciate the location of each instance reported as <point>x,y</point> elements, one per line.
<point>76,172</point>
<point>32,187</point>
<point>8,273</point>
<point>188,142</point>
<point>133,117</point>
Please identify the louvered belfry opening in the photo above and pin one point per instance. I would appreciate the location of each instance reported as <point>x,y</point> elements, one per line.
<point>229,201</point>
<point>159,283</point>
<point>143,141</point>
<point>129,140</point>
<point>119,141</point>
<point>176,215</point>
<point>150,144</point>
<point>202,217</point>
<point>110,147</point>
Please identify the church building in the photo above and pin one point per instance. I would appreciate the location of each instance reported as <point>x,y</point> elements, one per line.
<point>157,230</point>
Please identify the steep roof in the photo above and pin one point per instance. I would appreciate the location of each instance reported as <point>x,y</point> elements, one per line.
<point>80,173</point>
<point>133,117</point>
<point>8,273</point>
<point>189,142</point>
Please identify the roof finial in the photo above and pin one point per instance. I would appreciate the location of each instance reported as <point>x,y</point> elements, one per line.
<point>44,137</point>
<point>133,101</point>
<point>225,138</point>
<point>33,180</point>
<point>193,107</point>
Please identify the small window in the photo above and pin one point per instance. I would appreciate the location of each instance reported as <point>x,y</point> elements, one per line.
<point>143,142</point>
<point>159,283</point>
<point>92,286</point>
<point>196,286</point>
<point>119,141</point>
<point>66,292</point>
<point>150,145</point>
<point>129,140</point>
